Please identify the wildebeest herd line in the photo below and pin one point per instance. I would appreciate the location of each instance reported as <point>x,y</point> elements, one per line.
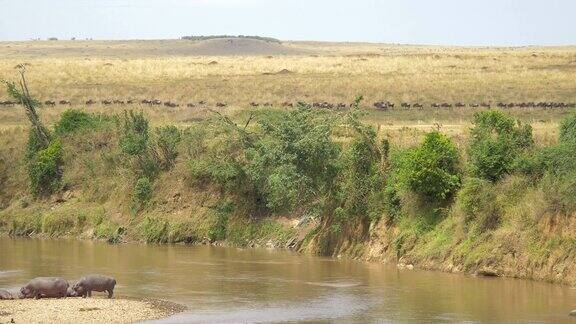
<point>57,287</point>
<point>380,105</point>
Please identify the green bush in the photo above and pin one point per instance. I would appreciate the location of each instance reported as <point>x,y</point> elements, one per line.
<point>224,173</point>
<point>221,213</point>
<point>568,129</point>
<point>25,224</point>
<point>361,180</point>
<point>72,120</point>
<point>45,170</point>
<point>57,225</point>
<point>142,192</point>
<point>184,231</point>
<point>134,138</point>
<point>293,158</point>
<point>167,140</point>
<point>497,141</point>
<point>560,192</point>
<point>109,231</point>
<point>477,201</point>
<point>154,230</point>
<point>33,146</point>
<point>431,170</point>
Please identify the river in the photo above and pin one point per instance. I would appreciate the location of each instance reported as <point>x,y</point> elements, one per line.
<point>229,285</point>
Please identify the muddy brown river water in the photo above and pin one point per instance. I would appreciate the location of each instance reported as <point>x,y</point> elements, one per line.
<point>229,285</point>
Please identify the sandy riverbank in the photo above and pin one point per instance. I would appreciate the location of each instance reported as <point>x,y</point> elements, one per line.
<point>89,310</point>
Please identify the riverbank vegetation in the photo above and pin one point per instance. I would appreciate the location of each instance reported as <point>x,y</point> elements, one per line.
<point>307,178</point>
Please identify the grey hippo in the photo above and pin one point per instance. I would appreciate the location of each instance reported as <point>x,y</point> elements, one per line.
<point>6,295</point>
<point>87,284</point>
<point>45,287</point>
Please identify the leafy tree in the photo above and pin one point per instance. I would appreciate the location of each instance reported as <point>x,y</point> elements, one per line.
<point>431,169</point>
<point>293,159</point>
<point>497,141</point>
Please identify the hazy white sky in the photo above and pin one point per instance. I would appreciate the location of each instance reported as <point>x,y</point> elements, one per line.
<point>457,22</point>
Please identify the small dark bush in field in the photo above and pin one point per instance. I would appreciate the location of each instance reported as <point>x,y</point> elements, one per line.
<point>167,140</point>
<point>45,169</point>
<point>497,141</point>
<point>134,138</point>
<point>431,169</point>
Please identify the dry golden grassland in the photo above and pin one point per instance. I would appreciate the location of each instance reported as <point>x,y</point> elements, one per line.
<point>181,71</point>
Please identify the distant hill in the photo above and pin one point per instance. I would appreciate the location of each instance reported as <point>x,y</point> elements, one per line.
<point>200,38</point>
<point>239,46</point>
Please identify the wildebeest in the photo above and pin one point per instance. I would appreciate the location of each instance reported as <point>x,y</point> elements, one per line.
<point>49,103</point>
<point>383,105</point>
<point>64,102</point>
<point>190,105</point>
<point>90,102</point>
<point>171,104</point>
<point>220,104</point>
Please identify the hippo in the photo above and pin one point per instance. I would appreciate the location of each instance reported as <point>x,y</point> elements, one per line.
<point>87,284</point>
<point>6,295</point>
<point>47,287</point>
<point>70,292</point>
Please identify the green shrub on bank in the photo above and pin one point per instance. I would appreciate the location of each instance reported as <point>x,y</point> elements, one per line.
<point>497,141</point>
<point>33,146</point>
<point>221,214</point>
<point>109,231</point>
<point>477,202</point>
<point>184,231</point>
<point>554,167</point>
<point>568,129</point>
<point>25,224</point>
<point>154,230</point>
<point>167,140</point>
<point>292,159</point>
<point>134,137</point>
<point>431,170</point>
<point>45,169</point>
<point>142,192</point>
<point>58,224</point>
